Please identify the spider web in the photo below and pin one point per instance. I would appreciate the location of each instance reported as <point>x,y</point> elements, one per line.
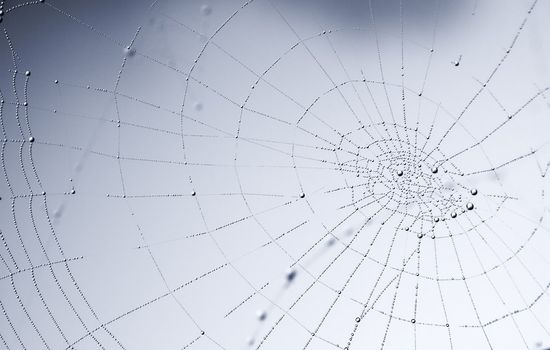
<point>274,175</point>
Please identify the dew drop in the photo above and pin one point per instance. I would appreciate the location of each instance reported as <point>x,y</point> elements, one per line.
<point>290,275</point>
<point>129,52</point>
<point>329,241</point>
<point>249,341</point>
<point>261,314</point>
<point>206,10</point>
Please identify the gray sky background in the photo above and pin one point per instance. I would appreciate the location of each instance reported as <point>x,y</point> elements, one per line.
<point>155,157</point>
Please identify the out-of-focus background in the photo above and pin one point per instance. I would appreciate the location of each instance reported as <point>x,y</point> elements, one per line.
<point>274,174</point>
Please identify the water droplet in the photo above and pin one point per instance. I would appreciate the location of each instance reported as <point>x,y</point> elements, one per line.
<point>290,275</point>
<point>329,241</point>
<point>261,314</point>
<point>58,212</point>
<point>469,206</point>
<point>129,52</point>
<point>473,191</point>
<point>206,10</point>
<point>249,341</point>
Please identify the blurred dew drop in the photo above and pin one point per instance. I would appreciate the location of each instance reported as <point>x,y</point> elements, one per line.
<point>206,10</point>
